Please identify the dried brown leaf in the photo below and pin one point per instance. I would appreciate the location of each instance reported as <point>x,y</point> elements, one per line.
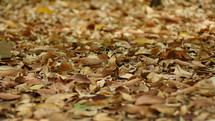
<point>8,96</point>
<point>64,66</point>
<point>164,109</point>
<point>79,78</point>
<point>147,99</point>
<point>8,71</point>
<point>184,91</point>
<point>103,117</point>
<point>43,110</point>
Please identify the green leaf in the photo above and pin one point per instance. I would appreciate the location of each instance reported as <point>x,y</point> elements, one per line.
<point>36,87</point>
<point>213,60</point>
<point>81,107</point>
<point>114,23</point>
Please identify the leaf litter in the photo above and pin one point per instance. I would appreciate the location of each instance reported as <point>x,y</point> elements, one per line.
<point>103,60</point>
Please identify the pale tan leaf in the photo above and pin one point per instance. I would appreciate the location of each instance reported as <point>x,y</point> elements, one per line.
<point>179,71</point>
<point>147,99</point>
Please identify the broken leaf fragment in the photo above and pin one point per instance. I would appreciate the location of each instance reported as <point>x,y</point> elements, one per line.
<point>5,49</point>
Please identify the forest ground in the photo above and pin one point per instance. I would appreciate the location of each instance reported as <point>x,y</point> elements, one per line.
<point>104,60</point>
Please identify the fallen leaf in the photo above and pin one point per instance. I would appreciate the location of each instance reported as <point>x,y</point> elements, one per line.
<point>184,91</point>
<point>179,71</point>
<point>147,99</point>
<point>154,77</point>
<point>58,99</point>
<point>127,97</point>
<point>43,10</point>
<point>91,61</point>
<point>79,78</point>
<point>8,96</point>
<point>25,110</point>
<point>132,81</point>
<point>46,91</point>
<point>36,87</point>
<point>103,117</point>
<point>144,41</point>
<point>43,110</point>
<point>164,109</point>
<point>64,66</point>
<point>8,71</point>
<point>81,107</point>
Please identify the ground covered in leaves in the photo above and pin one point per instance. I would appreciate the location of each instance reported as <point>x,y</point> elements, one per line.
<point>104,60</point>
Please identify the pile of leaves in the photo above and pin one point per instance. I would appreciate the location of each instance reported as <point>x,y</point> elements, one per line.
<point>84,60</point>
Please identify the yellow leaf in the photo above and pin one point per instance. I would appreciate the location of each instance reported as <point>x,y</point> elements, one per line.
<point>12,24</point>
<point>99,26</point>
<point>184,34</point>
<point>36,87</point>
<point>144,41</point>
<point>44,10</point>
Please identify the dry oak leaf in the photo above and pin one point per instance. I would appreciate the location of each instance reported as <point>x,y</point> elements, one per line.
<point>147,99</point>
<point>8,71</point>
<point>7,96</point>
